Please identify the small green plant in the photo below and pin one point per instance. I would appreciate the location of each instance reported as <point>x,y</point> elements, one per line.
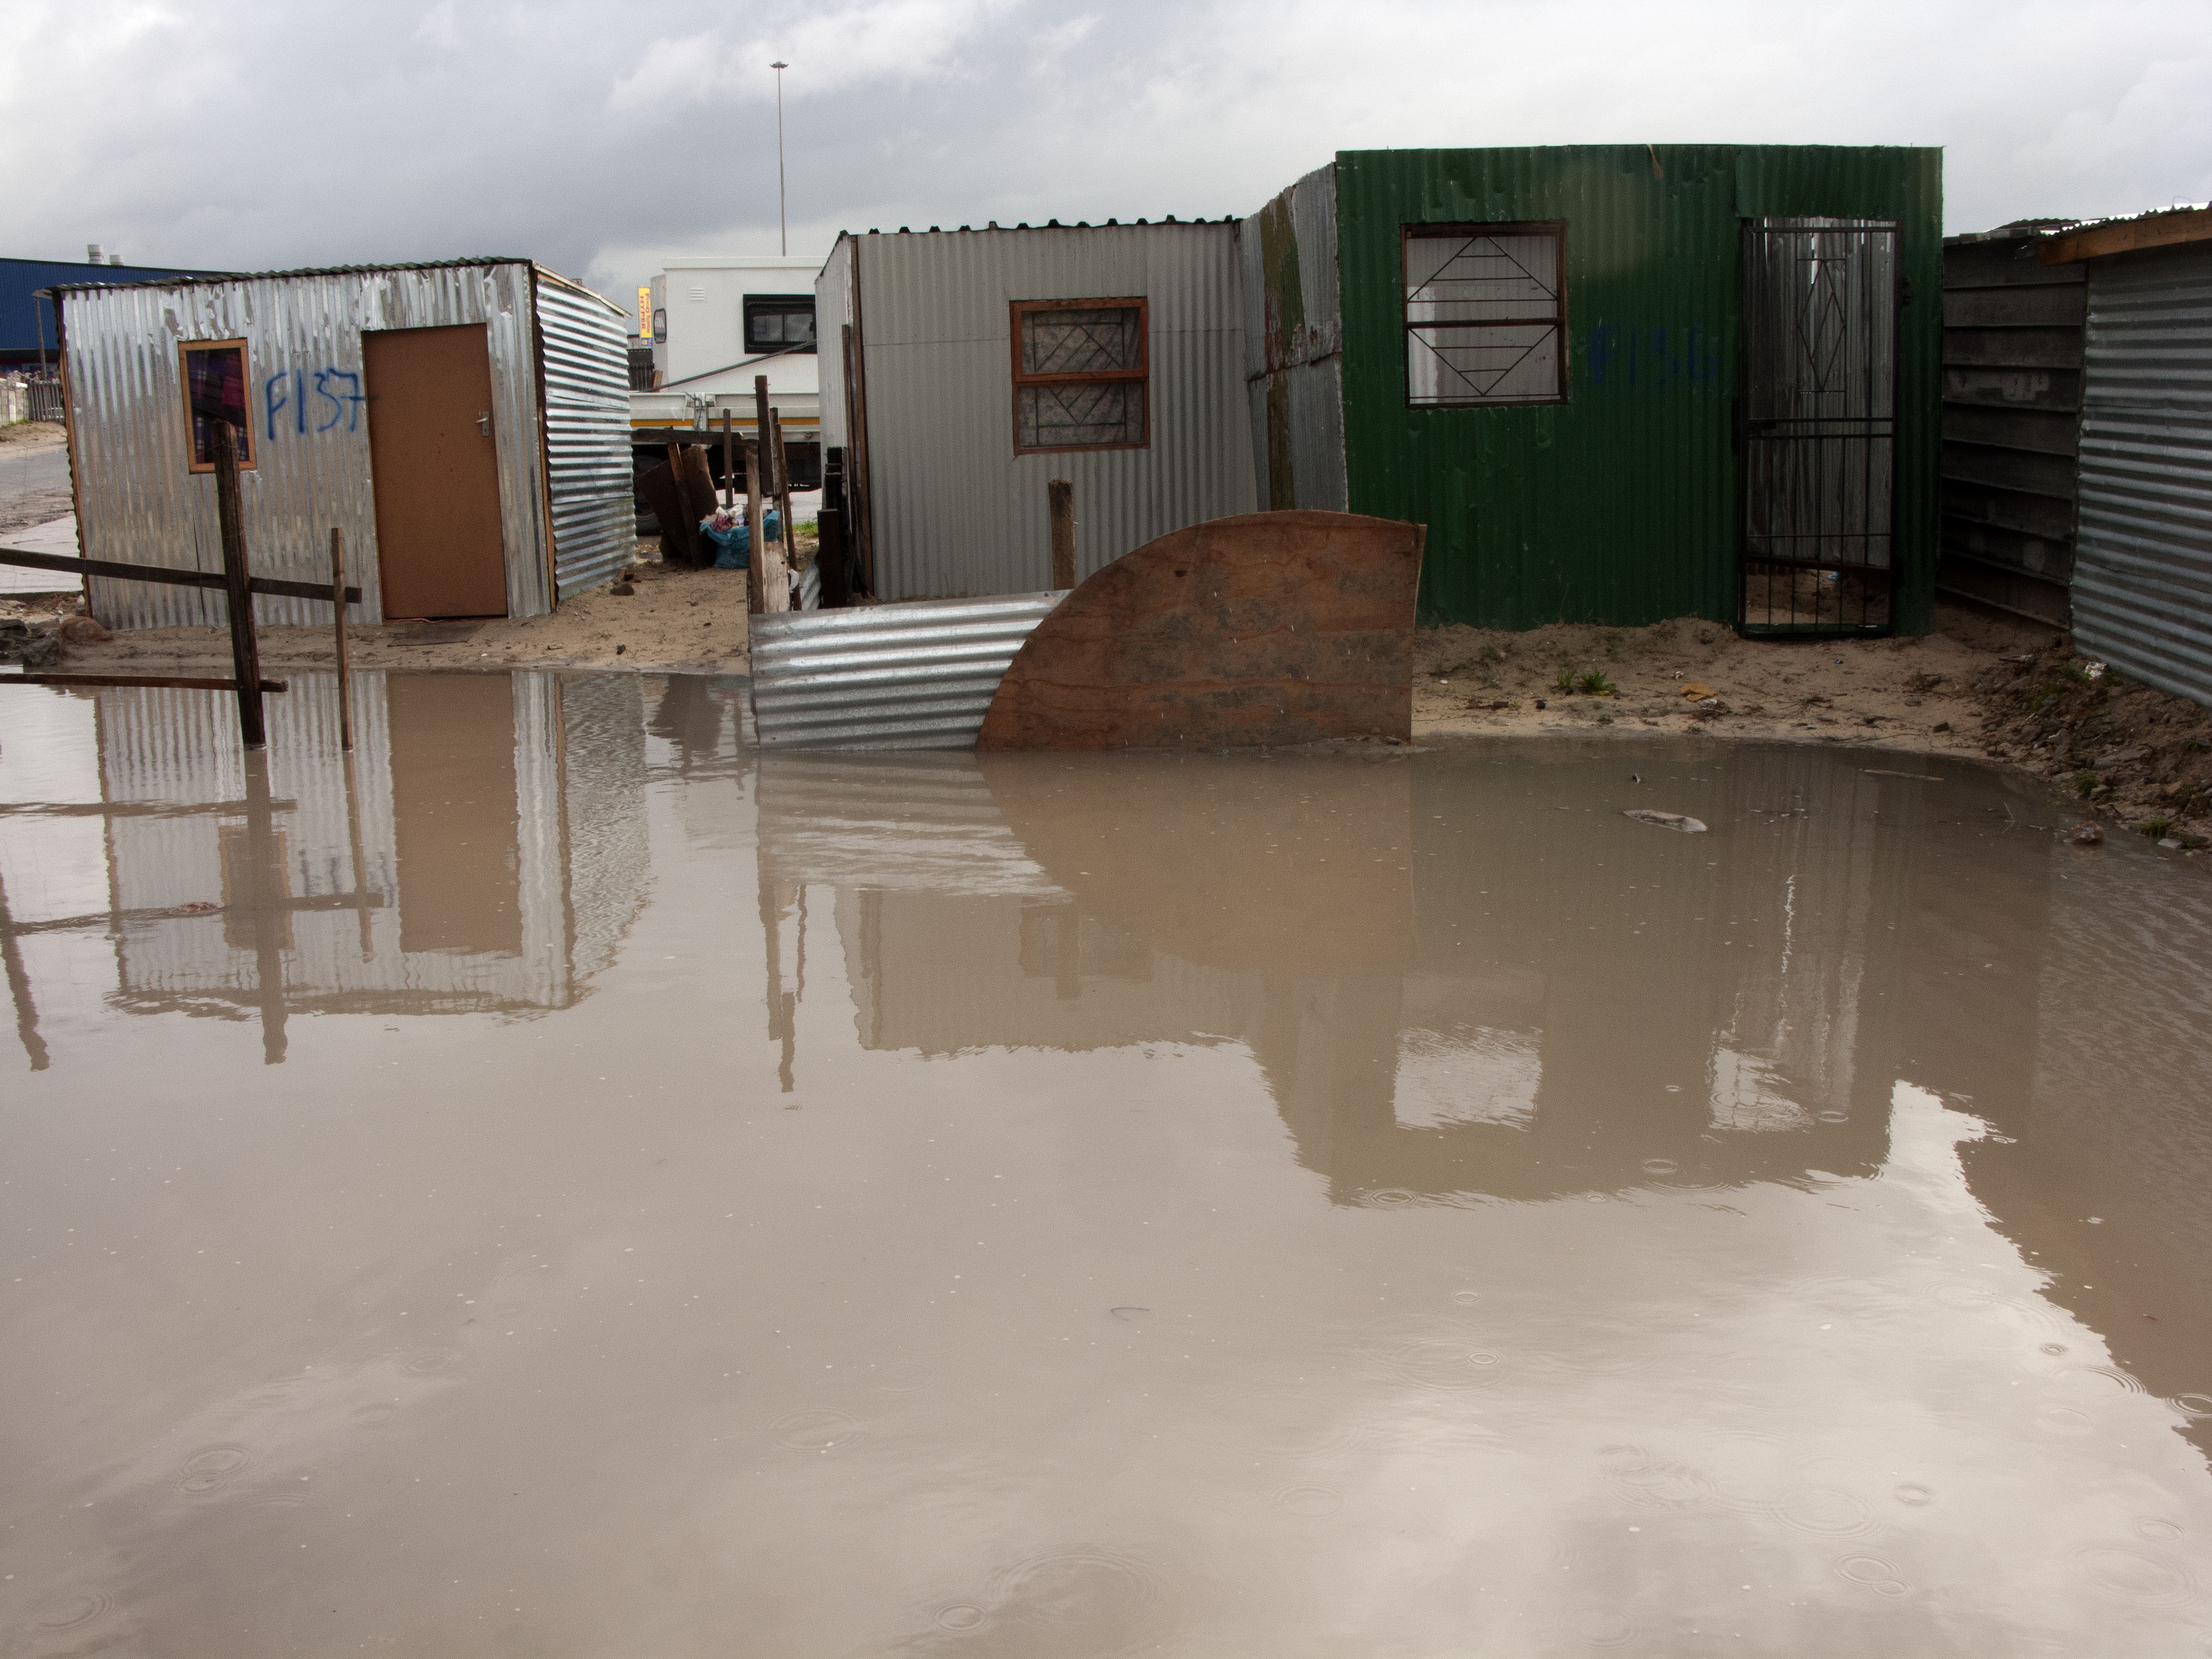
<point>2087,784</point>
<point>2158,827</point>
<point>1593,683</point>
<point>1564,680</point>
<point>2076,673</point>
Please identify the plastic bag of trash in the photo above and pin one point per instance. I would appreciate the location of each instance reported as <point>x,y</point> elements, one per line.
<point>729,539</point>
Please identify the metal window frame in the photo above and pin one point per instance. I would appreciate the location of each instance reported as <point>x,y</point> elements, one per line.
<point>1556,228</point>
<point>782,304</point>
<point>251,460</point>
<point>1017,309</point>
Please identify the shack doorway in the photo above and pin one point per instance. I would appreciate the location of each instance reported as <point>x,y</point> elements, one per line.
<point>434,473</point>
<point>1817,426</point>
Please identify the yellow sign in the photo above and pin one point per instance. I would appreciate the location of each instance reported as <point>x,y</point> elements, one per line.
<point>645,314</point>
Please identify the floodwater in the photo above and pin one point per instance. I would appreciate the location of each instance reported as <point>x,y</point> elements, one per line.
<point>565,1184</point>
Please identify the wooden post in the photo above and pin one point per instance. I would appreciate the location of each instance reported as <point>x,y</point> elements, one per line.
<point>785,563</point>
<point>245,649</point>
<point>338,608</point>
<point>775,587</point>
<point>754,536</point>
<point>1061,495</point>
<point>729,472</point>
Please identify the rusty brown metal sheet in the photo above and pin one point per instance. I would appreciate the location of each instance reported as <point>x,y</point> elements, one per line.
<point>1270,628</point>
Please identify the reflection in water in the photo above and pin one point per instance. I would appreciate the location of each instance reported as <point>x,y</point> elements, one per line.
<point>1443,1005</point>
<point>481,850</point>
<point>1193,1205</point>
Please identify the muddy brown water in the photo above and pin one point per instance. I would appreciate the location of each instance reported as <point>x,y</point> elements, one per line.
<point>567,1184</point>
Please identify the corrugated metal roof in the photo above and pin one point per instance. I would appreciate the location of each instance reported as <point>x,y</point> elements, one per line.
<point>312,270</point>
<point>954,510</point>
<point>917,676</point>
<point>2142,574</point>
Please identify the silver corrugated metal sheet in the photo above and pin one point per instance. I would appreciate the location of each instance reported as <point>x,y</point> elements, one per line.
<point>924,823</point>
<point>586,357</point>
<point>1294,346</point>
<point>2142,575</point>
<point>581,855</point>
<point>833,310</point>
<point>916,676</point>
<point>138,503</point>
<point>954,510</point>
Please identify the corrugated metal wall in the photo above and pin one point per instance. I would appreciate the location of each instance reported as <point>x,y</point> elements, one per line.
<point>138,503</point>
<point>1620,504</point>
<point>2142,576</point>
<point>2012,422</point>
<point>955,511</point>
<point>1294,346</point>
<point>586,356</point>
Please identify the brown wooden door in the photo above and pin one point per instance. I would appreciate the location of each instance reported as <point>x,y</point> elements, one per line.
<point>435,471</point>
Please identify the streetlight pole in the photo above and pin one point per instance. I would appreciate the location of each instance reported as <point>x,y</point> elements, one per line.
<point>782,224</point>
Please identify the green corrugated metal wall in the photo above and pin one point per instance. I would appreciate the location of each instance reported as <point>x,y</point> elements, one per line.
<point>1620,505</point>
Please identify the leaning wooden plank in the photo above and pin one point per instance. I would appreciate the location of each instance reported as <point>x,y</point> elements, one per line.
<point>1270,627</point>
<point>117,571</point>
<point>165,681</point>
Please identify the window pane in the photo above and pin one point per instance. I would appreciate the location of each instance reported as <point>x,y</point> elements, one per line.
<point>1067,417</point>
<point>1081,342</point>
<point>1511,363</point>
<point>1470,277</point>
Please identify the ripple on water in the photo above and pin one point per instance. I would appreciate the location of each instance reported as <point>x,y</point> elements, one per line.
<point>1824,1510</point>
<point>1091,1602</point>
<point>1451,1366</point>
<point>1661,1167</point>
<point>1652,1482</point>
<point>1312,1502</point>
<point>1873,1572</point>
<point>1833,1116</point>
<point>814,1431</point>
<point>210,1468</point>
<point>2098,1380</point>
<point>72,1612</point>
<point>1467,1298</point>
<point>2193,1405</point>
<point>2054,1349</point>
<point>2064,1419</point>
<point>961,1615</point>
<point>2131,1575</point>
<point>426,1362</point>
<point>1391,1198</point>
<point>1913,1495</point>
<point>375,1414</point>
<point>2158,1530</point>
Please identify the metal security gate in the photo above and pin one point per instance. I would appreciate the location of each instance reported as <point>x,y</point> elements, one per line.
<point>1817,426</point>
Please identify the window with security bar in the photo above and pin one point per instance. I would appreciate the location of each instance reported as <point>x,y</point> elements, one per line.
<point>1080,374</point>
<point>1486,314</point>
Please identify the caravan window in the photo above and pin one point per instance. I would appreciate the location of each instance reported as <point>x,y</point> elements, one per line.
<point>778,322</point>
<point>1486,314</point>
<point>1080,369</point>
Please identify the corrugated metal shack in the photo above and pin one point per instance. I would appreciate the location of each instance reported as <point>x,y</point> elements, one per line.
<point>1618,383</point>
<point>2012,420</point>
<point>962,370</point>
<point>2142,571</point>
<point>464,424</point>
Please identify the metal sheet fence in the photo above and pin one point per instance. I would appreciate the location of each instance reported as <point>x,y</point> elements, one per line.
<point>585,355</point>
<point>2142,577</point>
<point>139,504</point>
<point>1294,346</point>
<point>917,676</point>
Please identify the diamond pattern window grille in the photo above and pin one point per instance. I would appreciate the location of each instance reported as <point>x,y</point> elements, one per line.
<point>1080,374</point>
<point>1486,314</point>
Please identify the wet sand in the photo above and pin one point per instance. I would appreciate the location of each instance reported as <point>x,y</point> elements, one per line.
<point>578,1185</point>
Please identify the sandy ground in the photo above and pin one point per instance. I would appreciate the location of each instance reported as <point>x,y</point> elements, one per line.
<point>1980,685</point>
<point>1699,677</point>
<point>33,491</point>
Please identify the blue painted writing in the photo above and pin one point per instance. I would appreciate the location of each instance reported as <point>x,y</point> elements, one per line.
<point>287,389</point>
<point>1652,358</point>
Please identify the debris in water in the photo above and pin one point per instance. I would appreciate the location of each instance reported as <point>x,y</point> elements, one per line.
<point>1695,690</point>
<point>2087,835</point>
<point>1688,826</point>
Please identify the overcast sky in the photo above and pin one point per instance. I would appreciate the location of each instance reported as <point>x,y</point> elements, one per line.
<point>258,134</point>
